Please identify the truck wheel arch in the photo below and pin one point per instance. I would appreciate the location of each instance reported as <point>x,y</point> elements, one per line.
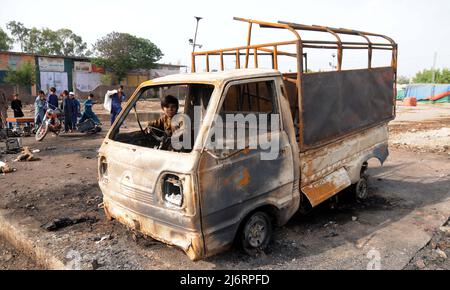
<point>355,170</point>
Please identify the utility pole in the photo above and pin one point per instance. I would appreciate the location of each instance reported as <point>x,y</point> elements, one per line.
<point>433,70</point>
<point>194,42</point>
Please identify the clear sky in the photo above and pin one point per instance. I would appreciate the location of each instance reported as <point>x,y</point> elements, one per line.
<point>420,27</point>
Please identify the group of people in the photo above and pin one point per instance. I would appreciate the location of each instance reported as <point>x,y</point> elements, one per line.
<point>66,102</point>
<point>69,105</point>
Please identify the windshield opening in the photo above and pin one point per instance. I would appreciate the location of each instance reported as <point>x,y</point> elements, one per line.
<point>165,117</point>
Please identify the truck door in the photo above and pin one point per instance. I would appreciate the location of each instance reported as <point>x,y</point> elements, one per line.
<point>233,182</point>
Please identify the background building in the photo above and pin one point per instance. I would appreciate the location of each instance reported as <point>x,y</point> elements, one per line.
<point>76,74</point>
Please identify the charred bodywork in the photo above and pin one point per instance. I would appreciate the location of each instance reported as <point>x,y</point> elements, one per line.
<point>331,124</point>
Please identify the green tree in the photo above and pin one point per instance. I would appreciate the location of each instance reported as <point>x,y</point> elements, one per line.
<point>426,76</point>
<point>423,77</point>
<point>106,80</point>
<point>73,44</point>
<point>122,52</point>
<point>444,77</point>
<point>25,75</point>
<point>5,41</point>
<point>46,41</point>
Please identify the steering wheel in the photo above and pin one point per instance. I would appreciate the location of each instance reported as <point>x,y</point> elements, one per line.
<point>164,140</point>
<point>156,136</point>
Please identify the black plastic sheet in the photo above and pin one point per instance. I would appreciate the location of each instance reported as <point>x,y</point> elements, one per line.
<point>339,103</point>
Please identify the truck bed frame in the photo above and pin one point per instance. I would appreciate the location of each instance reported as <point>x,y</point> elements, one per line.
<point>325,106</point>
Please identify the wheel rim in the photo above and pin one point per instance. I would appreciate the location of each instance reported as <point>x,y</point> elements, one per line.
<point>257,231</point>
<point>41,130</point>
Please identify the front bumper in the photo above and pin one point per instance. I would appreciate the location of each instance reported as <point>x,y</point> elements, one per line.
<point>191,242</point>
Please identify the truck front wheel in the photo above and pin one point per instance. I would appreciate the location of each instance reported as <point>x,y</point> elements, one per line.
<point>256,233</point>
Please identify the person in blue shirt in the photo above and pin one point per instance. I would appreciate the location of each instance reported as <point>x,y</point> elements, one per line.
<point>116,103</point>
<point>52,99</point>
<point>40,107</point>
<point>76,109</point>
<point>88,113</point>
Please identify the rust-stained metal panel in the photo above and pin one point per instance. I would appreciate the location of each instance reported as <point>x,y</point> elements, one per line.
<point>350,152</point>
<point>338,103</point>
<point>234,186</point>
<point>323,189</point>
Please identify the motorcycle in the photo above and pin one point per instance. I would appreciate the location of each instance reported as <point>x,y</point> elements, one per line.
<point>52,122</point>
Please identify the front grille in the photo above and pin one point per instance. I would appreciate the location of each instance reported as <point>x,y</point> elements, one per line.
<point>137,194</point>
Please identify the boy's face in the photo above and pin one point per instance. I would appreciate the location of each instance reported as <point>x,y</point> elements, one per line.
<point>170,111</point>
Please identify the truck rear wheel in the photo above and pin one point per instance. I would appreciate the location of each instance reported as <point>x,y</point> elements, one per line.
<point>256,233</point>
<point>361,188</point>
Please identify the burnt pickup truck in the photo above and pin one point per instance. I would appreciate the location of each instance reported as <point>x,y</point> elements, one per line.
<point>208,189</point>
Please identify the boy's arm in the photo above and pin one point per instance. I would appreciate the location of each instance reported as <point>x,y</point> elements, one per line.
<point>155,123</point>
<point>159,123</point>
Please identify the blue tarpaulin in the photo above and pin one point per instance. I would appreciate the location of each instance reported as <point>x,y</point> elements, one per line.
<point>428,92</point>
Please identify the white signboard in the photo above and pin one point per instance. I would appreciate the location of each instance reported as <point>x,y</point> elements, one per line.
<point>54,79</point>
<point>51,64</point>
<point>87,82</point>
<point>82,66</point>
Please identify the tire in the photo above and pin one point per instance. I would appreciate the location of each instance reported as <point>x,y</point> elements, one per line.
<point>256,233</point>
<point>361,188</point>
<point>42,131</point>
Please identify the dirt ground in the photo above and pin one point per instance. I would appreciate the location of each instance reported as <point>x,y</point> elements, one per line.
<point>409,201</point>
<point>12,259</point>
<point>434,256</point>
<point>425,128</point>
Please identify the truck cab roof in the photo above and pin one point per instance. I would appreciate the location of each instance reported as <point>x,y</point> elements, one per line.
<point>213,77</point>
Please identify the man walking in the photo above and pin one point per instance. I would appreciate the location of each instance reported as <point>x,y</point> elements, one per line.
<point>116,103</point>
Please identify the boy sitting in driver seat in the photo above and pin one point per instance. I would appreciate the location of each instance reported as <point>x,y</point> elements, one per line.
<point>169,106</point>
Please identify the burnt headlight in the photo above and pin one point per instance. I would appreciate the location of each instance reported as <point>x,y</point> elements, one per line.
<point>172,188</point>
<point>103,169</point>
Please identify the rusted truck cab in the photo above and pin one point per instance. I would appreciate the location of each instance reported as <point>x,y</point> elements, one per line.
<point>294,141</point>
<point>219,187</point>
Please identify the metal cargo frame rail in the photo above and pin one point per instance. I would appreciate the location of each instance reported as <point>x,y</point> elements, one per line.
<point>273,50</point>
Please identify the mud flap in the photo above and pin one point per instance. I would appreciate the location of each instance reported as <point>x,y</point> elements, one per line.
<point>326,187</point>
